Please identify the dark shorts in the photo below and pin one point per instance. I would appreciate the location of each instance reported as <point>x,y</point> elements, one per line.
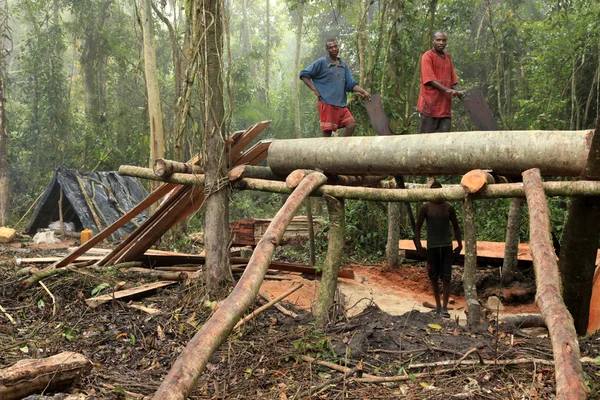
<point>432,124</point>
<point>334,117</point>
<point>439,263</point>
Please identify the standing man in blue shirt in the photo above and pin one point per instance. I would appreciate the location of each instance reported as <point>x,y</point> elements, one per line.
<point>330,78</point>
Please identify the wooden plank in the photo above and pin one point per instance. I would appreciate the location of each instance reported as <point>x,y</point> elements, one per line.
<point>484,249</point>
<point>255,152</point>
<point>144,204</point>
<point>135,292</point>
<point>246,139</point>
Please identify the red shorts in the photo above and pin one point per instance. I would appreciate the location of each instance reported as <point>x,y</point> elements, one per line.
<point>334,117</point>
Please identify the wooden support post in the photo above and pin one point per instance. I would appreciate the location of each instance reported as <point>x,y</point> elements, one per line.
<point>470,272</point>
<point>148,173</point>
<point>579,245</point>
<point>511,248</point>
<point>393,237</point>
<point>311,232</point>
<point>567,366</point>
<point>335,248</point>
<point>190,364</point>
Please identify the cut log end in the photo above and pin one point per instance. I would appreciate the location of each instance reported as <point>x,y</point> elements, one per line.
<point>474,180</point>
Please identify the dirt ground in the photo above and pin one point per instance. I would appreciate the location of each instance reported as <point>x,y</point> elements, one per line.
<point>384,325</point>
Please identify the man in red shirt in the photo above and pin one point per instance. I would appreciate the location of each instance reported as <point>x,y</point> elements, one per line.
<point>438,85</point>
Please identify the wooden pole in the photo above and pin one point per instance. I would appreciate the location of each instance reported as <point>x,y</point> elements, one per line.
<point>470,271</point>
<point>335,249</point>
<point>164,168</point>
<point>511,248</point>
<point>556,153</point>
<point>567,366</point>
<point>497,191</point>
<point>190,364</point>
<point>148,173</point>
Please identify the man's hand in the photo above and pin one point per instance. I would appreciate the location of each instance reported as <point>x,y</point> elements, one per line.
<point>364,95</point>
<point>316,92</point>
<point>454,93</point>
<point>457,250</point>
<point>422,251</point>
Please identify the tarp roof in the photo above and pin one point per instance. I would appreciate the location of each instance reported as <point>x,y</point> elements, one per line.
<point>91,200</point>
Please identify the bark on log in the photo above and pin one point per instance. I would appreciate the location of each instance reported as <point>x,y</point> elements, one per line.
<point>506,153</point>
<point>498,191</point>
<point>164,168</point>
<point>470,271</point>
<point>474,180</point>
<point>162,275</point>
<point>524,321</point>
<point>569,374</point>
<point>190,364</point>
<point>335,248</point>
<point>580,244</point>
<point>48,374</point>
<point>511,248</point>
<point>296,176</point>
<point>147,173</point>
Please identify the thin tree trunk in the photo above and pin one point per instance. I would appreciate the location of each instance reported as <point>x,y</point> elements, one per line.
<point>267,49</point>
<point>335,248</point>
<point>567,367</point>
<point>157,143</point>
<point>216,219</point>
<point>311,232</point>
<point>393,239</point>
<point>556,153</point>
<point>295,79</point>
<point>190,364</point>
<point>470,272</point>
<point>579,246</point>
<point>4,167</point>
<point>511,247</point>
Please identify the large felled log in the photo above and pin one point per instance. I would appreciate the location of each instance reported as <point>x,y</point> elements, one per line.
<point>48,374</point>
<point>191,362</point>
<point>556,153</point>
<point>474,180</point>
<point>569,374</point>
<point>579,245</point>
<point>163,168</point>
<point>498,191</point>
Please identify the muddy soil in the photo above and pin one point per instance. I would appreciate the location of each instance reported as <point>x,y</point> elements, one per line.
<point>269,358</point>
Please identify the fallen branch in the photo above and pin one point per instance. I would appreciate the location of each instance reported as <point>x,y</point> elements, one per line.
<point>515,361</point>
<point>524,321</point>
<point>191,362</point>
<point>568,372</point>
<point>51,296</point>
<point>333,366</point>
<point>332,381</point>
<point>266,306</point>
<point>10,318</point>
<point>35,376</point>
<point>278,306</point>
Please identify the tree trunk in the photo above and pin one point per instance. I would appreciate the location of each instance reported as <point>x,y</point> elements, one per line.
<point>4,167</point>
<point>470,272</point>
<point>569,375</point>
<point>393,238</point>
<point>511,248</point>
<point>190,364</point>
<point>48,374</point>
<point>267,49</point>
<point>579,246</point>
<point>474,180</point>
<point>335,249</point>
<point>556,153</point>
<point>498,191</point>
<point>216,219</point>
<point>295,79</point>
<point>157,140</point>
<point>311,232</point>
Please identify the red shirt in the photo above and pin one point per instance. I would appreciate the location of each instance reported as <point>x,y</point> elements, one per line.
<point>434,67</point>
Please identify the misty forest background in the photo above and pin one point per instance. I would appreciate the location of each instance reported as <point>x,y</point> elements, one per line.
<point>75,91</point>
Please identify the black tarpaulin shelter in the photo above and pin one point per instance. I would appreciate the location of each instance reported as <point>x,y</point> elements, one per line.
<point>91,200</point>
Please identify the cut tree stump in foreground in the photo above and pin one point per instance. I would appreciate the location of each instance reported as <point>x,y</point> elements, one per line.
<point>567,366</point>
<point>48,374</point>
<point>190,364</point>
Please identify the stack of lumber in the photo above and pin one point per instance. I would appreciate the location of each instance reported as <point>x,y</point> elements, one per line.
<point>248,232</point>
